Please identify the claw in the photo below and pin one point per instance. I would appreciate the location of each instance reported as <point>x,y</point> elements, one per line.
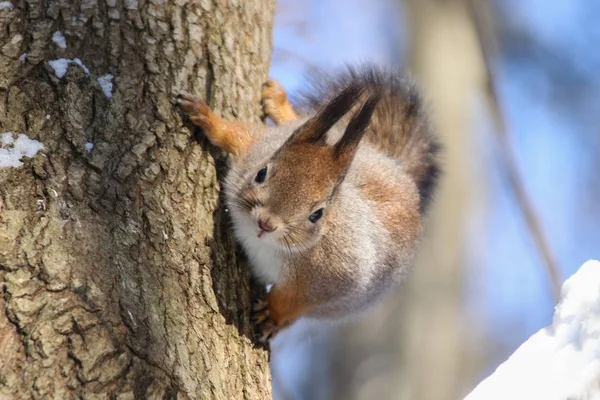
<point>193,106</point>
<point>272,91</point>
<point>258,319</point>
<point>265,332</point>
<point>232,136</point>
<point>185,95</point>
<point>259,305</point>
<point>270,83</point>
<point>264,327</point>
<point>275,103</point>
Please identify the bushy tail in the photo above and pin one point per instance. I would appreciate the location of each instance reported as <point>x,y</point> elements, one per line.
<point>399,126</point>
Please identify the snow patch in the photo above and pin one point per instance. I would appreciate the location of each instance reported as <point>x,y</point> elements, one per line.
<point>23,57</point>
<point>89,146</point>
<point>59,39</point>
<point>6,139</point>
<point>61,65</point>
<point>13,150</point>
<point>561,361</point>
<point>6,5</point>
<point>78,62</point>
<point>106,85</point>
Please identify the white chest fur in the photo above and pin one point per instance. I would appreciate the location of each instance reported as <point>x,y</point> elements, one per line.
<point>264,257</point>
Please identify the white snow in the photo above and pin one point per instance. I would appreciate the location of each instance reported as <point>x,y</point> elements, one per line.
<point>6,139</point>
<point>78,61</point>
<point>6,5</point>
<point>105,82</point>
<point>59,39</point>
<point>60,66</point>
<point>89,146</point>
<point>23,57</point>
<point>561,361</point>
<point>12,151</point>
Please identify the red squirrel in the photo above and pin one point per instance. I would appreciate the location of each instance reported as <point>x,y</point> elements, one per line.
<point>328,203</point>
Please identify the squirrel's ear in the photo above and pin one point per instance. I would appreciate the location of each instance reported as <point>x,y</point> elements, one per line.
<point>315,129</point>
<point>347,145</point>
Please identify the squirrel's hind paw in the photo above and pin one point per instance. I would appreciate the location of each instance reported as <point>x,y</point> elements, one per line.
<point>264,327</point>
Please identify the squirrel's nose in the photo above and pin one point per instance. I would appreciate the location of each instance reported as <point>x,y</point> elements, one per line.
<point>266,225</point>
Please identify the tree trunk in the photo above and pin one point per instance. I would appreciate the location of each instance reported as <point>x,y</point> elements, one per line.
<point>118,274</point>
<point>438,355</point>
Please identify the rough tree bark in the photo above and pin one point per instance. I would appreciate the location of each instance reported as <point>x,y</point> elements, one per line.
<point>118,276</point>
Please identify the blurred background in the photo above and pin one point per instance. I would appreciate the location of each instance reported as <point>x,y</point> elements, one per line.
<point>514,90</point>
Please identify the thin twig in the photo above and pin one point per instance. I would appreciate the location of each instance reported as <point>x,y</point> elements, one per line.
<point>284,54</point>
<point>487,44</point>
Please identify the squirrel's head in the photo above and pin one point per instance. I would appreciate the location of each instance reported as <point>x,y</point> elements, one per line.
<point>286,200</point>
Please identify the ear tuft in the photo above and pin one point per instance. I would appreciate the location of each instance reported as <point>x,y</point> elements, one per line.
<point>315,129</point>
<point>347,145</point>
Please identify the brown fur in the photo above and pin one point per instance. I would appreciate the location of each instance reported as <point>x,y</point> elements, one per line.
<point>316,172</point>
<point>232,136</point>
<point>399,126</point>
<point>283,305</point>
<point>287,302</point>
<point>396,206</point>
<point>371,196</point>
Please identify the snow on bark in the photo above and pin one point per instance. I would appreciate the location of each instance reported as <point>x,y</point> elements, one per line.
<point>59,39</point>
<point>12,151</point>
<point>61,65</point>
<point>106,84</point>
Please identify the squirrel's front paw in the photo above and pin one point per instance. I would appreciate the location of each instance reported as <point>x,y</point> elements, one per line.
<point>273,96</point>
<point>264,327</point>
<point>275,103</point>
<point>196,109</point>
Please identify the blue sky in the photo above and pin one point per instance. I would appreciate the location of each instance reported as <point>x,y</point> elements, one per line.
<point>554,128</point>
<point>554,149</point>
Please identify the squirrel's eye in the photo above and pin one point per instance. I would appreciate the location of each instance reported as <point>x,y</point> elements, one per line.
<point>260,177</point>
<point>314,217</point>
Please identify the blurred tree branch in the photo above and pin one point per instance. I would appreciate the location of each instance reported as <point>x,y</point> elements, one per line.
<point>481,21</point>
<point>284,54</point>
<point>444,58</point>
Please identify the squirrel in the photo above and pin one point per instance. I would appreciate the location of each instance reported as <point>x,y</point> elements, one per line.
<point>328,203</point>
